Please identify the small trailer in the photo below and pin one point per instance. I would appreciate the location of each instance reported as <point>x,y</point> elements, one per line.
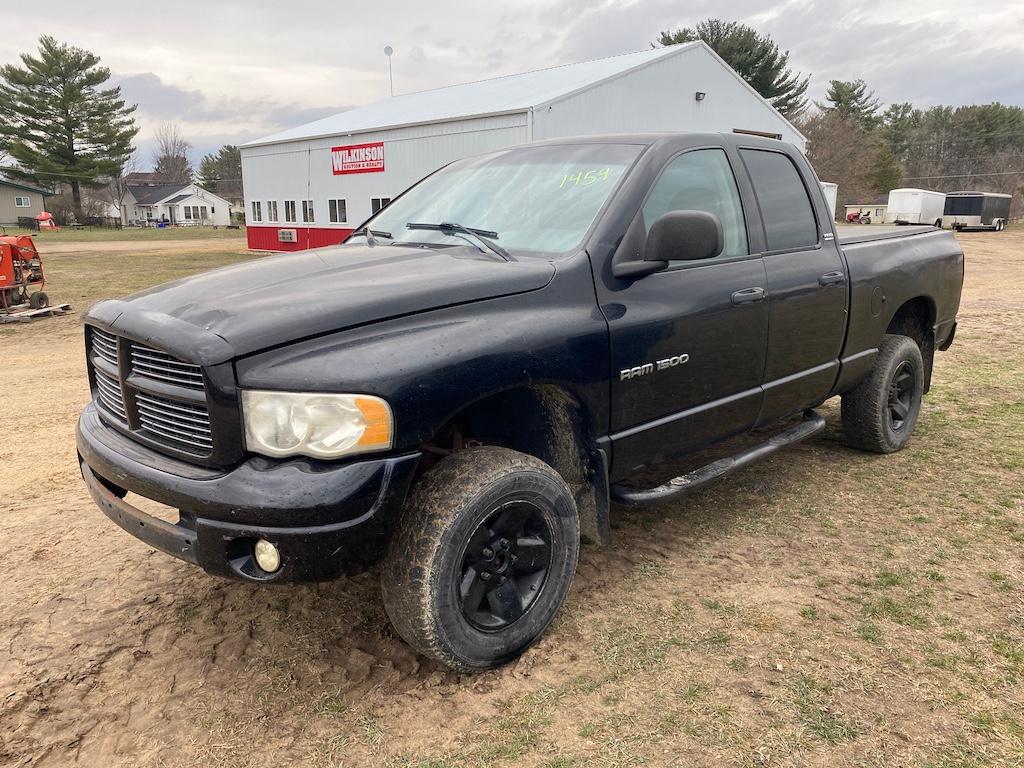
<point>831,192</point>
<point>916,206</point>
<point>976,210</point>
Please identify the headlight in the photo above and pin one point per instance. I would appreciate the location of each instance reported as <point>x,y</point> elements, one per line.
<point>324,426</point>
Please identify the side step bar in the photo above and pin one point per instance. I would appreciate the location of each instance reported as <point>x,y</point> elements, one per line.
<point>812,424</point>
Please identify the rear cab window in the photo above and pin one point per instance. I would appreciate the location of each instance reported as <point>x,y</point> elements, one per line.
<point>789,220</point>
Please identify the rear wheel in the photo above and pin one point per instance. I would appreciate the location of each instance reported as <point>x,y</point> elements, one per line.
<point>38,300</point>
<point>482,558</point>
<point>879,414</point>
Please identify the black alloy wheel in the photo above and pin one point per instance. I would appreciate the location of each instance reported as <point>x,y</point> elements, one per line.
<point>505,566</point>
<point>879,414</point>
<point>482,557</point>
<point>901,395</point>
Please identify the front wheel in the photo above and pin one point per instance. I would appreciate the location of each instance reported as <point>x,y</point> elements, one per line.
<point>482,558</point>
<point>879,414</point>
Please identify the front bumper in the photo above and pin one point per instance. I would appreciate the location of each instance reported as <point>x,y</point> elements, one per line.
<point>326,519</point>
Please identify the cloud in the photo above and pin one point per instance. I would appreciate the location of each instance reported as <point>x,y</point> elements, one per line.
<point>252,69</point>
<point>208,122</point>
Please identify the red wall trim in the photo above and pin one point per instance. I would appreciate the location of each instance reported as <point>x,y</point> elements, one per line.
<point>265,238</point>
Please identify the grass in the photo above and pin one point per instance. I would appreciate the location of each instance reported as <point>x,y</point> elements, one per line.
<point>81,279</point>
<point>140,235</point>
<point>825,607</point>
<point>818,714</point>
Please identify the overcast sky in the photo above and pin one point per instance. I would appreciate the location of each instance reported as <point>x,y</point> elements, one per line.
<point>230,71</point>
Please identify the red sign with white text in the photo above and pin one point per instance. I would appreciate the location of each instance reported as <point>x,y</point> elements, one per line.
<point>358,158</point>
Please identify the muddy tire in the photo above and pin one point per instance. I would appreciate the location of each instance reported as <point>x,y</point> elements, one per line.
<point>879,414</point>
<point>38,300</point>
<point>482,558</point>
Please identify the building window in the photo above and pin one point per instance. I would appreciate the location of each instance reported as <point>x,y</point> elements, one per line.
<point>376,203</point>
<point>257,212</point>
<point>188,212</point>
<point>22,202</point>
<point>337,211</point>
<point>289,211</point>
<point>271,210</point>
<point>307,211</point>
<point>203,214</point>
<point>212,210</point>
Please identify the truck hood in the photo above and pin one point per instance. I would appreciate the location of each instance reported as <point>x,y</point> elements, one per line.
<point>280,299</point>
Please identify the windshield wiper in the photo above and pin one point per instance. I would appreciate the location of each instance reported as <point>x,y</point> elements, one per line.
<point>483,235</point>
<point>369,234</point>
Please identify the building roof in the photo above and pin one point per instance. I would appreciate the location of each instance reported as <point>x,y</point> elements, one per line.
<point>151,194</point>
<point>178,199</point>
<point>499,95</point>
<point>25,187</point>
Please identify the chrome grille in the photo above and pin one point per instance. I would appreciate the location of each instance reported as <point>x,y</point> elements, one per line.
<point>108,391</point>
<point>104,345</point>
<point>184,425</point>
<point>155,364</point>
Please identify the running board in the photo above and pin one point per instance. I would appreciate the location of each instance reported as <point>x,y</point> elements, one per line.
<point>632,497</point>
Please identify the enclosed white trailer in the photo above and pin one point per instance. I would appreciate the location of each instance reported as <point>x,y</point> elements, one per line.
<point>915,206</point>
<point>309,186</point>
<point>831,192</point>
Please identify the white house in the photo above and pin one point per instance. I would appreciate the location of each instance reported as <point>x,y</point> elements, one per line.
<point>310,186</point>
<point>175,204</point>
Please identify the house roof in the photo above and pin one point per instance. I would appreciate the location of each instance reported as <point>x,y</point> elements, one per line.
<point>25,187</point>
<point>177,199</point>
<point>499,95</point>
<point>151,194</point>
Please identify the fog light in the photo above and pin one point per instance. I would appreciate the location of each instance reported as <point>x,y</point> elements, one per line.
<point>267,556</point>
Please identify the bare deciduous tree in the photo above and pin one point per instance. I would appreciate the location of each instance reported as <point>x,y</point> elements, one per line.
<point>171,155</point>
<point>117,188</point>
<point>844,152</point>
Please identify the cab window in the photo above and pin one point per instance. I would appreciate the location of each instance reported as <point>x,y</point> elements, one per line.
<point>701,180</point>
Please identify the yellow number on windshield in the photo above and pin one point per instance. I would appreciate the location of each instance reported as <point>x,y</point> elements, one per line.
<point>585,178</point>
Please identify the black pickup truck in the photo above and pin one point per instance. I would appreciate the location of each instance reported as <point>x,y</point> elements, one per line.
<point>461,389</point>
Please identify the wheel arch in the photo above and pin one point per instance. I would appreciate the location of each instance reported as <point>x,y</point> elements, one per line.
<point>915,319</point>
<point>546,421</point>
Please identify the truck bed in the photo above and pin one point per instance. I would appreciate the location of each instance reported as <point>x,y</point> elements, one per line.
<point>852,235</point>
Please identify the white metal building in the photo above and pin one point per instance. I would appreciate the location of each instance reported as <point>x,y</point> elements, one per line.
<point>311,185</point>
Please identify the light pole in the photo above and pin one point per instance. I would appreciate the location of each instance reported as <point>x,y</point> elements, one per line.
<point>388,50</point>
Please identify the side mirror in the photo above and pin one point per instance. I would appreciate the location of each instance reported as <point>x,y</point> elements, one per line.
<point>684,236</point>
<point>676,236</point>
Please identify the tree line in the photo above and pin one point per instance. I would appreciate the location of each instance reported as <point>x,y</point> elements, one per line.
<point>65,129</point>
<point>867,149</point>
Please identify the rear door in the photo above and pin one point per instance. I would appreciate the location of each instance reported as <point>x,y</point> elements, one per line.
<point>688,343</point>
<point>807,286</point>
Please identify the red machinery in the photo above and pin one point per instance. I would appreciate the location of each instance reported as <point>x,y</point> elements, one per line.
<point>21,274</point>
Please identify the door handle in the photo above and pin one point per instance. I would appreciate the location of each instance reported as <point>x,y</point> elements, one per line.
<point>831,278</point>
<point>748,296</point>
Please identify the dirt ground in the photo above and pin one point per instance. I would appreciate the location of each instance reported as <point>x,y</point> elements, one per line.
<point>824,608</point>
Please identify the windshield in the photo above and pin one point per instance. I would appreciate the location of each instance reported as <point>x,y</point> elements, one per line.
<point>536,199</point>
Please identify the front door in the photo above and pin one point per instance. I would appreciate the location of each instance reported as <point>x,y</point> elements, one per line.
<point>688,343</point>
<point>807,287</point>
<point>173,213</point>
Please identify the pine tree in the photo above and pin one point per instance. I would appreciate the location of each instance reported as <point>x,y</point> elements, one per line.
<point>755,57</point>
<point>222,172</point>
<point>59,124</point>
<point>853,99</point>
